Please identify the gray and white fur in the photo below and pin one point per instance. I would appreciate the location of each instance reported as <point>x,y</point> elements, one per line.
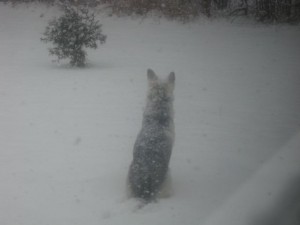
<point>148,171</point>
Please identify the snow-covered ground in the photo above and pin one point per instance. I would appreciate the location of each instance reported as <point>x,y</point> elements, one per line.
<point>66,134</point>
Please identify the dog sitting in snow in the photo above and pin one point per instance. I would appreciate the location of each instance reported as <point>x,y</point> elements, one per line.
<point>148,175</point>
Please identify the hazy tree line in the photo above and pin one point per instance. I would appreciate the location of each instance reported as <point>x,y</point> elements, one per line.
<point>261,10</point>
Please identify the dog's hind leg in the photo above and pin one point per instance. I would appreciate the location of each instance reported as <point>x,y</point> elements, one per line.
<point>166,189</point>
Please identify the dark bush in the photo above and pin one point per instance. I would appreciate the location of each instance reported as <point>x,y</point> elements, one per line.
<point>75,30</point>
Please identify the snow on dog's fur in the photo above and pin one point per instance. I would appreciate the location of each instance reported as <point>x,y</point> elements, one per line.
<point>148,173</point>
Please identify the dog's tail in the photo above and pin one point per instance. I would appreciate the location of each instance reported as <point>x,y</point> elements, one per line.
<point>144,188</point>
<point>143,184</point>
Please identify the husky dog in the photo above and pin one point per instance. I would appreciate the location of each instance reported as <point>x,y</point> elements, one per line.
<point>148,172</point>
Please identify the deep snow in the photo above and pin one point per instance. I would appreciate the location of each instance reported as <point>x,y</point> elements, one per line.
<point>66,134</point>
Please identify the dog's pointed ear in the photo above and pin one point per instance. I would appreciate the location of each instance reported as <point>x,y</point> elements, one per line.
<point>152,78</point>
<point>171,78</point>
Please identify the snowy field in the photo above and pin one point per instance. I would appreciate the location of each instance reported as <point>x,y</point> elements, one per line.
<point>66,134</point>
